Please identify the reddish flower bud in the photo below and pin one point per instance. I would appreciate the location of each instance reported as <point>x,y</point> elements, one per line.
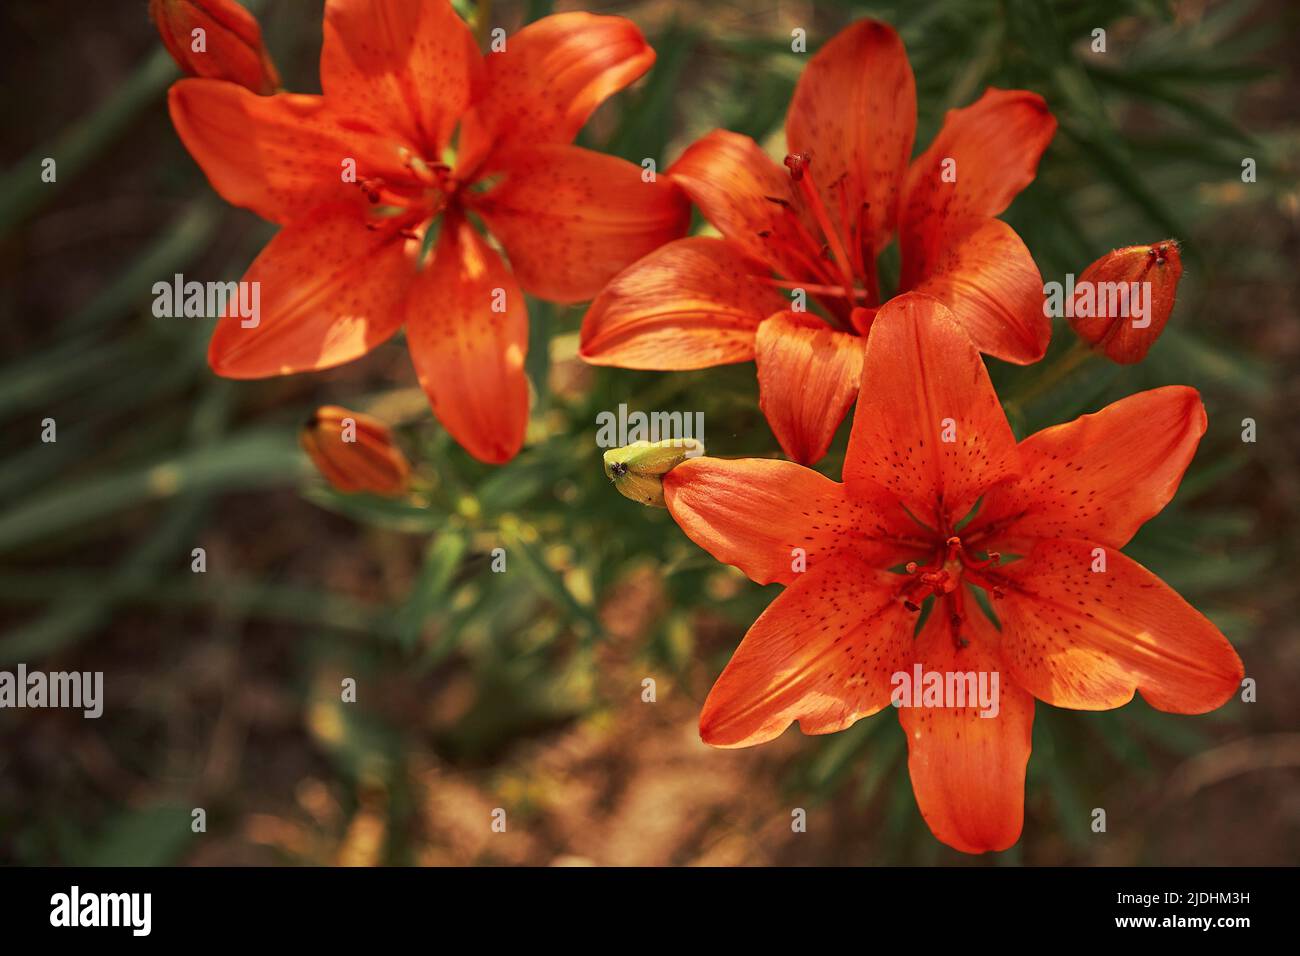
<point>1122,301</point>
<point>217,39</point>
<point>355,452</point>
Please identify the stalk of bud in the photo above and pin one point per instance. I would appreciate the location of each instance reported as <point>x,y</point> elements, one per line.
<point>638,470</point>
<point>355,452</point>
<point>217,39</point>
<point>1123,300</point>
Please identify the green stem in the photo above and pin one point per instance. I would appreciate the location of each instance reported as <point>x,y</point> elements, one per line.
<point>1068,361</point>
<point>482,21</point>
<point>23,192</point>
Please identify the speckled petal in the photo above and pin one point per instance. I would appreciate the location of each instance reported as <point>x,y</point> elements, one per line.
<point>690,304</point>
<point>547,81</point>
<point>968,770</point>
<point>822,654</point>
<point>755,512</point>
<point>467,329</point>
<point>928,424</point>
<point>1076,636</point>
<point>571,219</point>
<point>280,156</point>
<point>1099,477</point>
<point>330,290</point>
<point>854,113</point>
<point>808,375</point>
<point>410,66</point>
<point>984,155</point>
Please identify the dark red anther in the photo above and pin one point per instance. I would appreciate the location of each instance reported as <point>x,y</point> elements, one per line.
<point>796,163</point>
<point>991,561</point>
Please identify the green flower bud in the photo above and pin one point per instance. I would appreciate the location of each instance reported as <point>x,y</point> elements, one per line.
<point>637,470</point>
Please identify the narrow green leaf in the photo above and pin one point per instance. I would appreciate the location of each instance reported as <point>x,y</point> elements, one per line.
<point>428,594</point>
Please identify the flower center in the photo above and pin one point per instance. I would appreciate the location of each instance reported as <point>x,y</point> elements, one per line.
<point>943,577</point>
<point>828,247</point>
<point>423,192</point>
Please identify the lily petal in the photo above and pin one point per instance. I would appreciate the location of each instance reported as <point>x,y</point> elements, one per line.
<point>981,270</point>
<point>984,155</point>
<point>548,80</point>
<point>746,196</point>
<point>329,289</point>
<point>407,65</point>
<point>822,654</point>
<point>1099,477</point>
<point>1084,639</point>
<point>754,513</point>
<point>280,156</point>
<point>808,375</point>
<point>467,328</point>
<point>854,112</point>
<point>570,219</point>
<point>923,383</point>
<point>968,770</point>
<point>690,304</point>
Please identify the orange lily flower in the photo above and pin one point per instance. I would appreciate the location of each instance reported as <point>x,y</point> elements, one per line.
<point>1081,625</point>
<point>358,175</point>
<point>820,224</point>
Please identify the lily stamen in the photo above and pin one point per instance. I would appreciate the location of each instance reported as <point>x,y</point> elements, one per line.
<point>944,576</point>
<point>798,239</point>
<point>832,291</point>
<point>800,166</point>
<point>840,188</point>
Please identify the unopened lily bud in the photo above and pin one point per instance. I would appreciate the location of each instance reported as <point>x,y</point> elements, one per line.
<point>355,452</point>
<point>638,470</point>
<point>1123,300</point>
<point>217,39</point>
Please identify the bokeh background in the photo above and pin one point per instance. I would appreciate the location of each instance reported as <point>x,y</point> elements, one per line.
<point>523,690</point>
